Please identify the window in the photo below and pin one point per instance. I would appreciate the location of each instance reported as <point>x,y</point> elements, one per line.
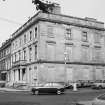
<point>15,57</point>
<point>16,44</point>
<point>35,52</point>
<point>50,51</point>
<point>25,38</point>
<point>19,55</point>
<point>96,38</point>
<point>84,36</point>
<point>97,54</point>
<point>85,53</point>
<point>30,35</point>
<point>20,41</point>
<point>50,31</point>
<point>68,52</point>
<point>35,32</point>
<point>68,33</point>
<point>13,45</point>
<point>30,54</point>
<point>24,54</point>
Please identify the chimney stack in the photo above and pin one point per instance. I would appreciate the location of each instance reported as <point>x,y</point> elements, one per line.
<point>56,9</point>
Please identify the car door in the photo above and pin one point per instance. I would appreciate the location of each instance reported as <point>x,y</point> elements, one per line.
<point>46,88</point>
<point>103,83</point>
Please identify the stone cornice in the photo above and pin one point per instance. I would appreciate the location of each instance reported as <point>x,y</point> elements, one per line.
<point>62,62</point>
<point>77,63</point>
<point>6,44</point>
<point>61,19</point>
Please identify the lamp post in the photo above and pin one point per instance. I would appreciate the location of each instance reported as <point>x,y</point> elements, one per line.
<point>65,58</point>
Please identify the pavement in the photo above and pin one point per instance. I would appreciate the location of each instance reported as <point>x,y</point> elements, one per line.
<point>4,89</point>
<point>85,102</point>
<point>68,90</point>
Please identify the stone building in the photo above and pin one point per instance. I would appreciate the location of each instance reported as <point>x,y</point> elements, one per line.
<point>5,60</point>
<point>56,47</point>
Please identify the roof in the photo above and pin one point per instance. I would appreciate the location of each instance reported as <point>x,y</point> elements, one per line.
<point>60,18</point>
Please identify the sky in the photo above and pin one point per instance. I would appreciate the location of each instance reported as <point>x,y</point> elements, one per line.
<point>14,13</point>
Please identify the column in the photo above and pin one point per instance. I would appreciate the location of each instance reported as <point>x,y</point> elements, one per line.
<point>14,75</point>
<point>17,75</point>
<point>26,75</point>
<point>20,74</point>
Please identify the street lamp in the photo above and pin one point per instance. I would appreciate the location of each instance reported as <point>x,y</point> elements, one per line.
<point>65,58</point>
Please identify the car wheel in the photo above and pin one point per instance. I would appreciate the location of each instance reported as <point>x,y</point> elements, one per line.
<point>58,92</point>
<point>36,92</point>
<point>100,87</point>
<point>33,92</point>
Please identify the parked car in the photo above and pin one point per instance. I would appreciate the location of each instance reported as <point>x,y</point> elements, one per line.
<point>84,83</point>
<point>98,84</point>
<point>2,83</point>
<point>69,85</point>
<point>50,87</point>
<point>100,100</point>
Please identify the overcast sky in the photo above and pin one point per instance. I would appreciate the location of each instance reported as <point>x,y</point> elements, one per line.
<point>14,13</point>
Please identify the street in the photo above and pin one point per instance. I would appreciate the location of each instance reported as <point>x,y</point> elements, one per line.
<point>26,98</point>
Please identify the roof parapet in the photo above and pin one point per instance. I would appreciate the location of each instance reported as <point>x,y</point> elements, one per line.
<point>90,19</point>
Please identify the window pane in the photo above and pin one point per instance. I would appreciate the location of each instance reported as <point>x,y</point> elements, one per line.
<point>84,36</point>
<point>35,52</point>
<point>50,31</point>
<point>30,35</point>
<point>68,51</point>
<point>68,33</point>
<point>35,32</point>
<point>50,51</point>
<point>96,38</point>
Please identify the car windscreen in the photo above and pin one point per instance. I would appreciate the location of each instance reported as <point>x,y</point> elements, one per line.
<point>102,97</point>
<point>98,81</point>
<point>57,85</point>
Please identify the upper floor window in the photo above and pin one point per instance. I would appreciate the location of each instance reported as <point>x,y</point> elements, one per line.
<point>68,52</point>
<point>20,41</point>
<point>97,38</point>
<point>97,54</point>
<point>25,38</point>
<point>85,53</point>
<point>15,55</point>
<point>16,44</point>
<point>68,33</point>
<point>84,36</point>
<point>30,53</point>
<point>50,31</point>
<point>30,35</point>
<point>51,51</point>
<point>35,52</point>
<point>24,54</point>
<point>35,32</point>
<point>19,54</point>
<point>13,45</point>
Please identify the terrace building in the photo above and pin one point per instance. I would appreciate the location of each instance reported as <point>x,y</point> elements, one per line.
<point>56,47</point>
<point>5,60</point>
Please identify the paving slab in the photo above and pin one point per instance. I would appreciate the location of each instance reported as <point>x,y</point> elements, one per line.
<point>11,90</point>
<point>85,102</point>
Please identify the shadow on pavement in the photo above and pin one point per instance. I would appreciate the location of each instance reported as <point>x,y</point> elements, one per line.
<point>29,103</point>
<point>19,103</point>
